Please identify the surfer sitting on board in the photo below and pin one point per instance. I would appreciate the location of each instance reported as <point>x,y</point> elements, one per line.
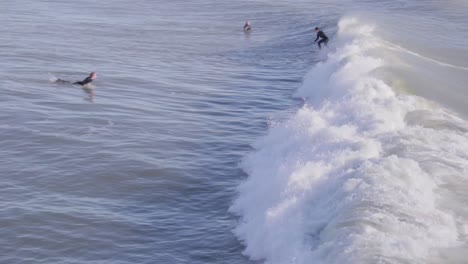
<point>247,26</point>
<point>320,34</point>
<point>86,81</point>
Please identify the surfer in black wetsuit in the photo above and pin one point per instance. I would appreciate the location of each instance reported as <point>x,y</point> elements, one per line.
<point>86,81</point>
<point>320,34</point>
<point>247,27</point>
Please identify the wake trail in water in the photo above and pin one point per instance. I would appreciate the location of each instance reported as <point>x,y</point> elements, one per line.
<point>399,48</point>
<point>357,174</point>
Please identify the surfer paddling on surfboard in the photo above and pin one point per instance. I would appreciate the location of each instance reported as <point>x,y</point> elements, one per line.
<point>86,81</point>
<point>247,27</point>
<point>320,34</point>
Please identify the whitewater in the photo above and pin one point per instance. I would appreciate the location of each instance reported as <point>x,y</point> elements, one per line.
<point>364,171</point>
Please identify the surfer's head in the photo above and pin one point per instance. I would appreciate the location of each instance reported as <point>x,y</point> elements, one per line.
<point>247,23</point>
<point>93,75</point>
<point>317,29</point>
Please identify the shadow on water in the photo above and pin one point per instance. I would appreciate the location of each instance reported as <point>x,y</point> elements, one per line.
<point>89,91</point>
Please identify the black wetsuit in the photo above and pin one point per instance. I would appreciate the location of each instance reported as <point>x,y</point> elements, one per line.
<point>85,81</point>
<point>324,38</point>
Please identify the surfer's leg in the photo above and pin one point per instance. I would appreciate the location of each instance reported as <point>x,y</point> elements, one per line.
<point>61,81</point>
<point>320,42</point>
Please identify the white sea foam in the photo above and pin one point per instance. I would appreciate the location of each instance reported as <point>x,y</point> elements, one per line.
<point>357,174</point>
<point>52,78</point>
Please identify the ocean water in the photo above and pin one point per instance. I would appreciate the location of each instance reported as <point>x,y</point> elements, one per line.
<point>201,144</point>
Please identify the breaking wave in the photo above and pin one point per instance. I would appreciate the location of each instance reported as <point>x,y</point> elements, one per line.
<point>361,173</point>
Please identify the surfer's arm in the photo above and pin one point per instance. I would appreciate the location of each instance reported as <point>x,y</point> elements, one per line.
<point>316,38</point>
